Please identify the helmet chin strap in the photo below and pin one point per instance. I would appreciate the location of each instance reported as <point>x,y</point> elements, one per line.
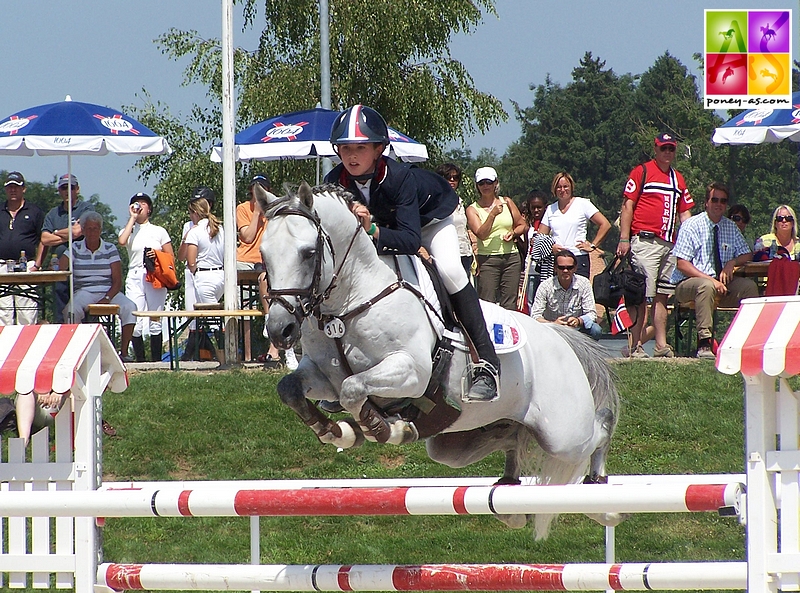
<point>364,177</point>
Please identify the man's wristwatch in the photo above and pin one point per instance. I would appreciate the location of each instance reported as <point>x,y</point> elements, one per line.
<point>593,246</point>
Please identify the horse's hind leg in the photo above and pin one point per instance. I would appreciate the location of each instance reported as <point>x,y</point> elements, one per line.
<point>604,427</point>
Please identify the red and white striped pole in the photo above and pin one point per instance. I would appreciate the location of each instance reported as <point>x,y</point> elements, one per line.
<point>467,500</point>
<point>429,577</point>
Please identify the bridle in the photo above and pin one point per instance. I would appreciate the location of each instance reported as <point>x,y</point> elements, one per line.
<point>309,299</point>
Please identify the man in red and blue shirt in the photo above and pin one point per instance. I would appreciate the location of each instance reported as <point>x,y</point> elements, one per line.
<point>655,201</point>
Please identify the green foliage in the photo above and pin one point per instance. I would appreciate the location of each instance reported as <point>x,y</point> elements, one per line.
<point>677,417</point>
<point>407,50</point>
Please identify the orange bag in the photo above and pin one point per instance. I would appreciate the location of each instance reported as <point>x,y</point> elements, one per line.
<point>161,270</point>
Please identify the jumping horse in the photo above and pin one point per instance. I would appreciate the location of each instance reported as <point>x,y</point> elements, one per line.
<point>367,342</point>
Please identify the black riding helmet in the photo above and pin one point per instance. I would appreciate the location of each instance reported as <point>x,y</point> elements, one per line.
<point>204,192</point>
<point>359,124</point>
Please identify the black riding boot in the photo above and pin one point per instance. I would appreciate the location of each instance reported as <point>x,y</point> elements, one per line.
<point>487,371</point>
<point>155,348</point>
<point>138,348</point>
<point>190,353</point>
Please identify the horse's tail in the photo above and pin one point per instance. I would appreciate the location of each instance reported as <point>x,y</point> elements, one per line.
<point>549,470</point>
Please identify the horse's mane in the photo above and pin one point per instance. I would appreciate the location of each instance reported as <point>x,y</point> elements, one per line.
<point>292,200</point>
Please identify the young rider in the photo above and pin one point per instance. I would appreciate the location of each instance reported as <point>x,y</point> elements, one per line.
<point>402,208</point>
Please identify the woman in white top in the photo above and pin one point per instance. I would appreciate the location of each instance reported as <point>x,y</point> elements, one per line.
<point>139,236</point>
<point>566,221</point>
<point>205,251</point>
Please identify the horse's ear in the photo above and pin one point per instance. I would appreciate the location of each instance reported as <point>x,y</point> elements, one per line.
<point>306,195</point>
<point>263,197</point>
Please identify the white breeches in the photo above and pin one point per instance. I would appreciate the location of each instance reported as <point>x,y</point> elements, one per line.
<point>147,298</point>
<point>441,240</point>
<point>209,285</point>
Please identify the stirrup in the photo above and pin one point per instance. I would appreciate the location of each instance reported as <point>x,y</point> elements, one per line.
<point>482,368</point>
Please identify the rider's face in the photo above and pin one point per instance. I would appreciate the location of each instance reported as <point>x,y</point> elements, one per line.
<point>360,159</point>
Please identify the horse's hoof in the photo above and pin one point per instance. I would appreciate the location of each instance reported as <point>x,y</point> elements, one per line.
<point>508,481</point>
<point>595,479</point>
<point>403,432</point>
<point>608,519</point>
<point>513,521</point>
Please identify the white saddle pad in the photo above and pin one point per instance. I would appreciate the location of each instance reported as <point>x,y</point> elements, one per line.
<point>504,329</point>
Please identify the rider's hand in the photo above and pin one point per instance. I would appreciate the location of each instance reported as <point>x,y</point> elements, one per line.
<point>363,215</point>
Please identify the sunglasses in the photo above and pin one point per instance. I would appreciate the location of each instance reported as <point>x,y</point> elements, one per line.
<point>565,268</point>
<point>737,218</point>
<point>453,178</point>
<point>485,182</point>
<point>784,218</point>
<point>667,148</point>
<point>719,200</point>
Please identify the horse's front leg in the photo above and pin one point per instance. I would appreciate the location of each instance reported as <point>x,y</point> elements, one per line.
<point>396,376</point>
<point>307,383</point>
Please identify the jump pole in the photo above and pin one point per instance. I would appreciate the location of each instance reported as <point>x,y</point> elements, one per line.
<point>478,500</point>
<point>429,577</point>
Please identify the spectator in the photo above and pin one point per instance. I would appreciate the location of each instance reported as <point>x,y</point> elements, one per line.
<point>466,241</point>
<point>496,222</point>
<point>141,236</point>
<point>191,351</point>
<point>784,234</point>
<point>536,259</point>
<point>97,278</point>
<point>708,247</point>
<point>20,230</point>
<point>251,224</point>
<point>205,252</point>
<point>567,298</point>
<point>739,214</point>
<point>566,219</point>
<point>654,201</point>
<point>56,229</point>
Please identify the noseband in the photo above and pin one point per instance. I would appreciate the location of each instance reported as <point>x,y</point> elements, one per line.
<point>312,297</point>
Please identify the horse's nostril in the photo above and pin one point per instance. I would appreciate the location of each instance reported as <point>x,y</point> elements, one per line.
<point>288,331</point>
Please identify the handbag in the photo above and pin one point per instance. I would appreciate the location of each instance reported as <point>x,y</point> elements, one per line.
<point>619,280</point>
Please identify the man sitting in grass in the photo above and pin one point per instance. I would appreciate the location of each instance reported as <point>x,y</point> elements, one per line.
<point>566,298</point>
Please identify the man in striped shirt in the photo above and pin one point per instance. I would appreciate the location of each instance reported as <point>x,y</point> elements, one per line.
<point>567,299</point>
<point>97,275</point>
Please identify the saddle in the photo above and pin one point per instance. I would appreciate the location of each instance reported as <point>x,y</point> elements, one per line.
<point>434,411</point>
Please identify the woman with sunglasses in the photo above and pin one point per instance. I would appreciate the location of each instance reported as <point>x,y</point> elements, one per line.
<point>784,234</point>
<point>496,222</point>
<point>566,221</point>
<point>452,173</point>
<point>739,214</point>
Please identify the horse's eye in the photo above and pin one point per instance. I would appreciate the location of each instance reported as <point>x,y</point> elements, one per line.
<point>309,253</point>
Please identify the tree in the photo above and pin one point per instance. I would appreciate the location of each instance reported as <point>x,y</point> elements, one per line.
<point>391,56</point>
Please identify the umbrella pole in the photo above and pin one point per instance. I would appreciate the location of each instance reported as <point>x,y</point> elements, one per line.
<point>69,238</point>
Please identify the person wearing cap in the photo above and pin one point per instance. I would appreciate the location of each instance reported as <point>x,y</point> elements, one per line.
<point>496,222</point>
<point>20,230</point>
<point>140,237</point>
<point>56,229</point>
<point>403,208</point>
<point>192,351</point>
<point>654,202</point>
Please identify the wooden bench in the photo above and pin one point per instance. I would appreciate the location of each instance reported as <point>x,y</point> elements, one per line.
<point>106,315</point>
<point>201,312</point>
<point>683,344</point>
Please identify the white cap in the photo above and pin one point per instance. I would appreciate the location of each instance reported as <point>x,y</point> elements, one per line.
<point>485,173</point>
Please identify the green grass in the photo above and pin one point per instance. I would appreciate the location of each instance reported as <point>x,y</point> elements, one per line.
<point>676,418</point>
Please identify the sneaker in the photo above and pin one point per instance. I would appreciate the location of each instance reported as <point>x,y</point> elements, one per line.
<point>665,352</point>
<point>639,352</point>
<point>706,352</point>
<point>126,358</point>
<point>291,359</point>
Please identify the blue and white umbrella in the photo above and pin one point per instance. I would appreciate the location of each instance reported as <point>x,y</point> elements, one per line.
<point>758,126</point>
<point>306,135</point>
<point>73,128</point>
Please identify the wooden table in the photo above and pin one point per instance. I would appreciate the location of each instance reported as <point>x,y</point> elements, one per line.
<point>755,269</point>
<point>30,284</point>
<point>175,327</point>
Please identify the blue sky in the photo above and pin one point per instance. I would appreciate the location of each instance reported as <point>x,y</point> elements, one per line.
<point>102,51</point>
